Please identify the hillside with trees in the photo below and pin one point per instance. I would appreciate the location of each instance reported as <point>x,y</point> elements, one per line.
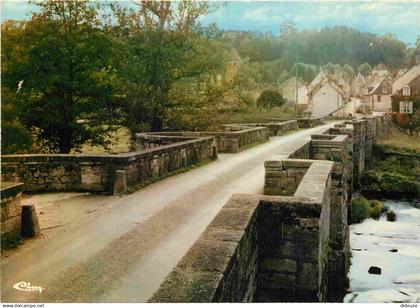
<point>79,70</point>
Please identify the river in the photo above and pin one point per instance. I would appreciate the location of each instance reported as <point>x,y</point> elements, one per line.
<point>394,247</point>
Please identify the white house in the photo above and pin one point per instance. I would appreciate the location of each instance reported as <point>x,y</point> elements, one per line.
<point>288,90</point>
<point>357,85</point>
<point>326,98</point>
<point>379,93</point>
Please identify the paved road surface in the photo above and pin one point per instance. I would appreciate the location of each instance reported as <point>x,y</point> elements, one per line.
<point>123,254</point>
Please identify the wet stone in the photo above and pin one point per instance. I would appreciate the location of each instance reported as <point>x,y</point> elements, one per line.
<point>374,270</point>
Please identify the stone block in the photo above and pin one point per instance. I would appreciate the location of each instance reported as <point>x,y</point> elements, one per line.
<point>120,184</point>
<point>188,287</point>
<point>276,281</point>
<point>278,265</point>
<point>308,276</point>
<point>30,224</point>
<point>207,256</point>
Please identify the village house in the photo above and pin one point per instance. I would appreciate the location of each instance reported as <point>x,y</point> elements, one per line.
<point>378,96</point>
<point>326,98</point>
<point>405,96</point>
<point>288,90</point>
<point>357,85</point>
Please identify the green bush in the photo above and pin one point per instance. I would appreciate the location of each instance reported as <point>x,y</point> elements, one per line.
<point>389,184</point>
<point>385,209</point>
<point>360,210</point>
<point>391,216</point>
<point>269,99</point>
<point>375,209</point>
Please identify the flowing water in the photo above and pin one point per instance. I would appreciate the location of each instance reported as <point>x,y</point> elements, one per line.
<point>394,247</point>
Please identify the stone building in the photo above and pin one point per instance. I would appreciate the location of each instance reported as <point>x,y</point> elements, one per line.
<point>288,91</point>
<point>326,98</point>
<point>357,85</point>
<point>378,96</point>
<point>406,92</point>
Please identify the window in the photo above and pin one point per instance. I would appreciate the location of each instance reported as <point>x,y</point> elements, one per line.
<point>379,98</point>
<point>406,91</point>
<point>406,107</point>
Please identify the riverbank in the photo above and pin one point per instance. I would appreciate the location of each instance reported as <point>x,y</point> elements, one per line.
<point>385,264</point>
<point>394,172</point>
<point>394,248</point>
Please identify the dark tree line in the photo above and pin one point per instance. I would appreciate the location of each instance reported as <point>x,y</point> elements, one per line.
<point>78,70</point>
<point>340,45</point>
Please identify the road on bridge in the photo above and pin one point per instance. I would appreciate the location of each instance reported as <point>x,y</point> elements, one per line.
<point>122,255</point>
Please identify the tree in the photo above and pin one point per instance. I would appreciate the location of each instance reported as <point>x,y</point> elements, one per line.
<point>15,137</point>
<point>66,91</point>
<point>305,71</point>
<point>330,68</point>
<point>166,45</point>
<point>365,69</point>
<point>349,71</point>
<point>269,99</point>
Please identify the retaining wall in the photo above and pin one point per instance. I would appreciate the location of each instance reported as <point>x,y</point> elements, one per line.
<point>240,257</point>
<point>234,139</point>
<point>299,234</point>
<point>11,210</point>
<point>275,128</point>
<point>301,122</point>
<point>98,173</point>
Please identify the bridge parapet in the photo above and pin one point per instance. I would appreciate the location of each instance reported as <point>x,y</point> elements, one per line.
<point>291,244</point>
<point>99,173</point>
<point>260,248</point>
<point>233,139</point>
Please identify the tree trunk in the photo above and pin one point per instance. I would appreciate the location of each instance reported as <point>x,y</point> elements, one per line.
<point>157,123</point>
<point>65,143</point>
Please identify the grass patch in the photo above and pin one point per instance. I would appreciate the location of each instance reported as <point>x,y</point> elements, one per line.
<point>361,208</point>
<point>395,168</point>
<point>401,142</point>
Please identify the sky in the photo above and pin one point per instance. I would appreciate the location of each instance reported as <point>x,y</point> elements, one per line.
<point>401,18</point>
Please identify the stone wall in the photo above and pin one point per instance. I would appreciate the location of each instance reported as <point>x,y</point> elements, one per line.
<point>338,149</point>
<point>359,153</point>
<point>98,173</point>
<point>299,228</point>
<point>222,264</point>
<point>293,241</point>
<point>309,122</point>
<point>275,128</point>
<point>11,210</point>
<point>234,139</point>
<point>240,256</point>
<point>301,122</point>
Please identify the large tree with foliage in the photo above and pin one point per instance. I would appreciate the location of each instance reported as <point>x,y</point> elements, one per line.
<point>63,65</point>
<point>166,46</point>
<point>270,98</point>
<point>365,69</point>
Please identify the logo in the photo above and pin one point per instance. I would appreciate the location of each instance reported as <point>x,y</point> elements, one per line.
<point>27,287</point>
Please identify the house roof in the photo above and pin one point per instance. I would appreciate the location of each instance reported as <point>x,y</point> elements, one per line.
<point>375,85</point>
<point>317,80</point>
<point>324,82</point>
<point>359,78</point>
<point>405,79</point>
<point>293,79</point>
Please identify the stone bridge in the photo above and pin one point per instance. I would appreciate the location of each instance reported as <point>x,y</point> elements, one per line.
<point>254,244</point>
<point>290,244</point>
